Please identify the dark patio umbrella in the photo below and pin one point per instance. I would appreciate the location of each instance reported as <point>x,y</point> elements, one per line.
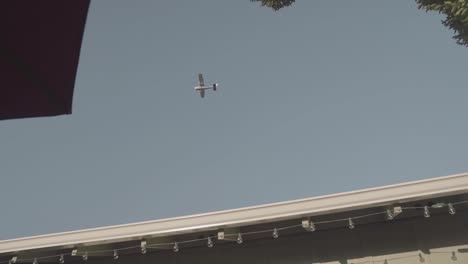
<point>40,44</point>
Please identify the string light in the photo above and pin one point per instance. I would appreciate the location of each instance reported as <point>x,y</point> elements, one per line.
<point>239,239</point>
<point>454,256</point>
<point>312,226</point>
<point>209,243</point>
<point>451,209</point>
<point>143,247</point>
<point>421,258</point>
<point>306,224</point>
<point>13,260</point>
<point>390,215</point>
<point>427,214</point>
<point>275,233</point>
<point>116,254</point>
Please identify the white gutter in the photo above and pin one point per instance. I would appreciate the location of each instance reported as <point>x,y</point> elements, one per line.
<point>341,202</point>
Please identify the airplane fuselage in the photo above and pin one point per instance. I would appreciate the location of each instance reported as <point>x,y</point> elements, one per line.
<point>202,88</point>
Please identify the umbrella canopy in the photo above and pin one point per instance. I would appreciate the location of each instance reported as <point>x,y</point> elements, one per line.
<point>40,44</point>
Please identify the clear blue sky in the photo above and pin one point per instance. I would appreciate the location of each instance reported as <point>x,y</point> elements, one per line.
<point>319,98</point>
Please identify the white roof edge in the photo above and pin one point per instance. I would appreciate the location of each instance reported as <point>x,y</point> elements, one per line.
<point>372,197</point>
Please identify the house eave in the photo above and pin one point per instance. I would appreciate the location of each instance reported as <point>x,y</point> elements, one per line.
<point>327,204</point>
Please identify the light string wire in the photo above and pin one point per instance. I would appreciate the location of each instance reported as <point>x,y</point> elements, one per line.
<point>169,245</point>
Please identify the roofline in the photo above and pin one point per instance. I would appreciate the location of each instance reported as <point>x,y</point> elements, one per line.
<point>340,202</point>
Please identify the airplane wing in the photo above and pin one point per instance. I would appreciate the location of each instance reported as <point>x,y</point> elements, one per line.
<point>200,79</point>
<point>202,93</point>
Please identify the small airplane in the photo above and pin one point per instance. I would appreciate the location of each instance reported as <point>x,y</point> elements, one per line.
<point>201,87</point>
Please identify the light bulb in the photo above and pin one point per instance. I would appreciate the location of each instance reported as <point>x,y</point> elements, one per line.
<point>239,239</point>
<point>451,209</point>
<point>421,258</point>
<point>275,233</point>
<point>390,215</point>
<point>209,243</point>
<point>308,225</point>
<point>13,260</point>
<point>143,247</point>
<point>454,257</point>
<point>427,214</point>
<point>312,226</point>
